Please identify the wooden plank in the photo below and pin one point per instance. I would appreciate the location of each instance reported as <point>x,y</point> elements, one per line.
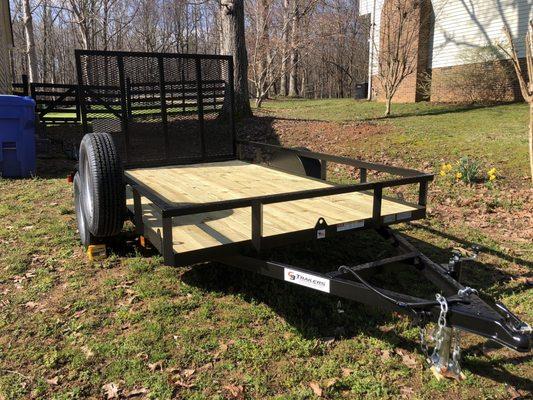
<point>201,183</point>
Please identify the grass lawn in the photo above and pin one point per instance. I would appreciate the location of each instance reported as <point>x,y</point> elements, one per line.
<point>71,329</point>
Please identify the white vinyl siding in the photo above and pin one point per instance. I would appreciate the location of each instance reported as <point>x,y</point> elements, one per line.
<point>461,25</point>
<point>367,7</point>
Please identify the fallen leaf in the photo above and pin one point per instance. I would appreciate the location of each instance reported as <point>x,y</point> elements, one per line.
<point>158,365</point>
<point>187,373</point>
<point>407,392</point>
<point>515,394</point>
<point>110,390</point>
<point>136,393</point>
<point>385,354</point>
<point>87,351</point>
<point>407,359</point>
<point>53,381</point>
<point>31,304</point>
<point>236,392</point>
<point>316,388</point>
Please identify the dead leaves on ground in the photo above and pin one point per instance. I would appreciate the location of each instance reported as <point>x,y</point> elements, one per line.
<point>319,388</point>
<point>315,387</point>
<point>408,359</point>
<point>112,390</point>
<point>235,392</point>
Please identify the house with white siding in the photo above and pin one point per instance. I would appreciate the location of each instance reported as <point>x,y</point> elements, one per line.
<point>461,44</point>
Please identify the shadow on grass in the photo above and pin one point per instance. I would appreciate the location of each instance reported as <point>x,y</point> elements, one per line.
<point>445,109</point>
<point>316,315</point>
<point>495,369</point>
<point>477,274</point>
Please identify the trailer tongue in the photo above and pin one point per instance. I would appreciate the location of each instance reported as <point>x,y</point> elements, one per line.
<point>188,186</point>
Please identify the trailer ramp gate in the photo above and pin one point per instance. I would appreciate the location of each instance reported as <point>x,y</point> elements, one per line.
<point>162,108</point>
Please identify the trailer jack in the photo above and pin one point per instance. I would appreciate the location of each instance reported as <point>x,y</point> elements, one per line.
<point>457,308</point>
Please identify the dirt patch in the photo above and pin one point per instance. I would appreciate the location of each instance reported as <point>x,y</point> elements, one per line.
<point>321,136</point>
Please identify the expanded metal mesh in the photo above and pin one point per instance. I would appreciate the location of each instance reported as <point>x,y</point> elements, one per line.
<point>160,108</point>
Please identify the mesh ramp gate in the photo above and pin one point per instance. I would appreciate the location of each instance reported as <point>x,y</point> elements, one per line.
<point>162,108</point>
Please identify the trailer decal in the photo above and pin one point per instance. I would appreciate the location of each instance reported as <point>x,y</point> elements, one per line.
<point>346,226</point>
<point>307,280</point>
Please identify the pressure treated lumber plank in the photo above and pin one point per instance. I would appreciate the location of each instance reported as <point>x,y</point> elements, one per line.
<point>201,183</point>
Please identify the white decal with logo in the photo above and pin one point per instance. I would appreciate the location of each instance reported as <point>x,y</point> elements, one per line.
<point>346,226</point>
<point>307,280</point>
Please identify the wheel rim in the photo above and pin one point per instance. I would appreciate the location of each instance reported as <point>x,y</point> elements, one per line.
<point>87,188</point>
<point>80,218</point>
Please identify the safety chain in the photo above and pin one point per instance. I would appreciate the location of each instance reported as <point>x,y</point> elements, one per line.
<point>441,323</point>
<point>437,334</point>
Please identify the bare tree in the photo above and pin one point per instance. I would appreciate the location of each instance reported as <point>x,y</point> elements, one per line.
<point>294,48</point>
<point>397,52</point>
<point>526,83</point>
<point>284,48</point>
<point>30,41</point>
<point>233,43</point>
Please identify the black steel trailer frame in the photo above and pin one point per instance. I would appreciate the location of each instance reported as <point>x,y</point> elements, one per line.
<point>465,310</point>
<point>456,308</point>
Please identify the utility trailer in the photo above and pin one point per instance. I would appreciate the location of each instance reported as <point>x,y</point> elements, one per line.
<point>173,165</point>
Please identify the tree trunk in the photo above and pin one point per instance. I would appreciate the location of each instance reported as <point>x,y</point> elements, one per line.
<point>531,139</point>
<point>285,44</point>
<point>30,42</point>
<point>233,43</point>
<point>388,106</point>
<point>293,75</point>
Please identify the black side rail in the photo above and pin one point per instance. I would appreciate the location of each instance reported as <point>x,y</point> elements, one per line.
<point>168,210</point>
<point>363,165</point>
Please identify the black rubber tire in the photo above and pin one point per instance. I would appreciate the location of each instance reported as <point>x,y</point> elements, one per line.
<point>103,193</point>
<point>87,238</point>
<point>312,166</point>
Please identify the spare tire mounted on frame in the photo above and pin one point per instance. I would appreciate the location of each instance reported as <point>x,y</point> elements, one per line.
<point>99,189</point>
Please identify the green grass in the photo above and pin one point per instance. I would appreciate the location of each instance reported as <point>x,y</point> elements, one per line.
<point>68,327</point>
<point>497,135</point>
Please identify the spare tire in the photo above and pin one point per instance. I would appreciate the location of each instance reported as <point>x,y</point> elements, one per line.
<point>103,193</point>
<point>87,238</point>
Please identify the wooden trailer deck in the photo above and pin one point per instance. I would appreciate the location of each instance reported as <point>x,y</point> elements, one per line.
<point>197,183</point>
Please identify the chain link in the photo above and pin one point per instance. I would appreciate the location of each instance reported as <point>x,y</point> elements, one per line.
<point>443,310</point>
<point>441,323</point>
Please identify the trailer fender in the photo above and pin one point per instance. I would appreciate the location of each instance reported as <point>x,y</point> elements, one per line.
<point>297,164</point>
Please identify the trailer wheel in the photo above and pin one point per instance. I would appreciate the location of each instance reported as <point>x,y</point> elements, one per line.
<point>87,238</point>
<point>102,195</point>
<point>312,166</point>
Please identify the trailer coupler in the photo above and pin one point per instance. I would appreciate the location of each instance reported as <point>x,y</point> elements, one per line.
<point>456,308</point>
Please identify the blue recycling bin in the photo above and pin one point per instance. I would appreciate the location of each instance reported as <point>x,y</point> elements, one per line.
<point>17,136</point>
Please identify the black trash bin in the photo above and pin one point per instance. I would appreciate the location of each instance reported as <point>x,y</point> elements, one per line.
<point>361,90</point>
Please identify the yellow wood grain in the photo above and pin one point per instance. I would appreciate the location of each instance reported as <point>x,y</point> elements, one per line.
<point>202,183</point>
